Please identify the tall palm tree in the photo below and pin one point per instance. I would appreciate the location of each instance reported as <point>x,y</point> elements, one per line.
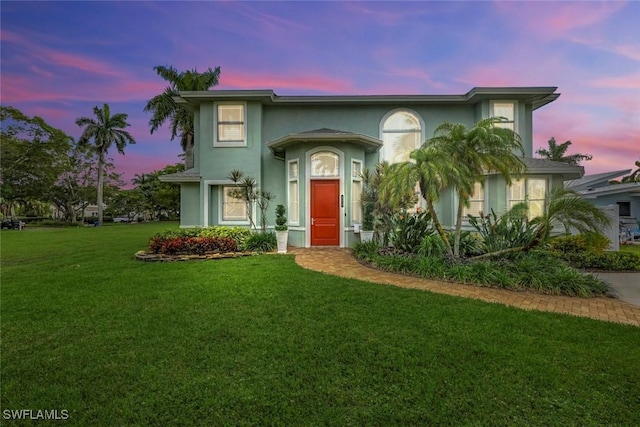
<point>104,130</point>
<point>164,106</point>
<point>486,147</point>
<point>557,153</point>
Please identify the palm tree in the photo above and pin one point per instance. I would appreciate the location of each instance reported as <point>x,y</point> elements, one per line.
<point>433,170</point>
<point>164,106</point>
<point>557,153</point>
<point>486,147</point>
<point>567,208</point>
<point>634,176</point>
<point>104,130</point>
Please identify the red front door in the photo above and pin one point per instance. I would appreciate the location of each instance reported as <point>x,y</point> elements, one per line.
<point>325,212</point>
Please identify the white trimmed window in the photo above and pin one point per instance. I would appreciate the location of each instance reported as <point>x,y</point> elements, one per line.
<point>294,191</point>
<point>476,202</point>
<point>401,134</point>
<point>356,191</point>
<point>532,191</point>
<point>232,209</point>
<point>507,110</point>
<point>230,125</point>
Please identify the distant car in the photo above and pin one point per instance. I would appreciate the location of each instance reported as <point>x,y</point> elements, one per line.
<point>122,219</point>
<point>12,224</point>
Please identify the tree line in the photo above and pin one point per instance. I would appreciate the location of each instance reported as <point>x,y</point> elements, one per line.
<point>43,166</point>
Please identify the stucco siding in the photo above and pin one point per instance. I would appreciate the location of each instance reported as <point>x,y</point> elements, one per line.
<point>190,205</point>
<point>612,199</point>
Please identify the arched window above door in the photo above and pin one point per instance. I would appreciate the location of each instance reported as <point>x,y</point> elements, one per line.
<point>325,164</point>
<point>401,133</point>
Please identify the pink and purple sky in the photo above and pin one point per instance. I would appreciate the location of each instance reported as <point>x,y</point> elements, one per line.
<point>60,59</point>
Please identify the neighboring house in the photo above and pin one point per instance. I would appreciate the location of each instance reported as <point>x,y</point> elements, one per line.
<point>309,152</point>
<point>598,190</point>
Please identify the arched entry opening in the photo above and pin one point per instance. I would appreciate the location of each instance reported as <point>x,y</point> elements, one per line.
<point>325,197</point>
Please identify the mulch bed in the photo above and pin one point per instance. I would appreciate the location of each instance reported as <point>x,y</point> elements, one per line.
<point>148,256</point>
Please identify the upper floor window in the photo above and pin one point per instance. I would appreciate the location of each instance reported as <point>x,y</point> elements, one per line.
<point>507,110</point>
<point>401,134</point>
<point>230,125</point>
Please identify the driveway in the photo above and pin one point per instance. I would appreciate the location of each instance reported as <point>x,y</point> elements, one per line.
<point>626,284</point>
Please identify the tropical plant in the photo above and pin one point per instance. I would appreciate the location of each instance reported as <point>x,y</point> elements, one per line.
<point>509,232</point>
<point>433,170</point>
<point>557,153</point>
<point>104,130</point>
<point>281,218</point>
<point>431,245</point>
<point>486,147</point>
<point>247,191</point>
<point>457,157</point>
<point>165,108</point>
<point>261,242</point>
<point>632,177</point>
<point>377,210</point>
<point>567,208</point>
<point>409,230</point>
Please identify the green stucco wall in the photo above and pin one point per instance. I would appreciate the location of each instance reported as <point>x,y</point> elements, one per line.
<point>266,122</point>
<point>190,204</point>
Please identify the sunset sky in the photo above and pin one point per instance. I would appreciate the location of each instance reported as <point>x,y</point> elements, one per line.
<point>60,59</point>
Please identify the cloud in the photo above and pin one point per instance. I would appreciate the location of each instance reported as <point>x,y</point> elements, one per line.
<point>299,82</point>
<point>543,21</point>
<point>631,81</point>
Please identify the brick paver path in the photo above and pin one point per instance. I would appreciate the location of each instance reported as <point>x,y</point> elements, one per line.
<point>341,262</point>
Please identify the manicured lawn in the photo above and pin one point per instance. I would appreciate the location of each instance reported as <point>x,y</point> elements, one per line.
<point>259,340</point>
<point>631,248</point>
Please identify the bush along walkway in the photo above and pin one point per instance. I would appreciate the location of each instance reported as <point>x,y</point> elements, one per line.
<point>341,262</point>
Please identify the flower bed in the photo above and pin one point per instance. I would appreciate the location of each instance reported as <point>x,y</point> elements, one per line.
<point>204,243</point>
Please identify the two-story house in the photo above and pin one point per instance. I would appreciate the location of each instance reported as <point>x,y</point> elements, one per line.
<point>309,152</point>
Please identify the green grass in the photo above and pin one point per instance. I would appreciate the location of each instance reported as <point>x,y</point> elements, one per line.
<point>630,248</point>
<point>258,340</point>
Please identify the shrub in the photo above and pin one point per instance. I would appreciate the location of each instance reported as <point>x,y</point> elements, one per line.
<point>182,245</point>
<point>52,223</point>
<point>408,230</point>
<point>281,218</point>
<point>615,261</point>
<point>261,242</point>
<point>511,230</point>
<point>432,245</point>
<point>594,242</point>
<point>238,234</point>
<point>366,251</point>
<point>539,271</point>
<point>471,244</point>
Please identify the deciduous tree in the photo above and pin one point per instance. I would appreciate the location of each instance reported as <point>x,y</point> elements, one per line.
<point>33,155</point>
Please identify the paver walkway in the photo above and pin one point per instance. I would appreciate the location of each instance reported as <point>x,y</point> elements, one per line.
<point>341,262</point>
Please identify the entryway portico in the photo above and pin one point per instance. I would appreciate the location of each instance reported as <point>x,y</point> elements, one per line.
<point>322,206</point>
